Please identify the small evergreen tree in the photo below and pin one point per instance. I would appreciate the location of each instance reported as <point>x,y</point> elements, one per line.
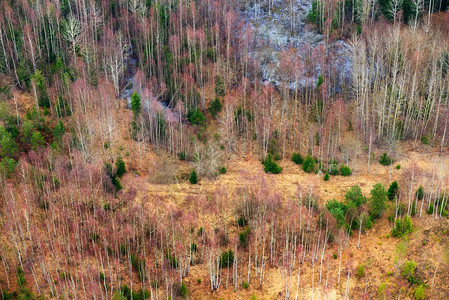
<point>420,292</point>
<point>338,210</point>
<point>27,131</point>
<point>408,271</point>
<point>42,94</point>
<point>354,195</point>
<point>7,167</point>
<point>182,155</point>
<point>195,116</point>
<point>193,178</point>
<point>8,146</point>
<point>333,168</point>
<point>297,158</point>
<point>58,131</point>
<point>420,192</point>
<point>113,177</point>
<point>219,87</point>
<point>121,168</point>
<point>308,164</point>
<point>345,170</point>
<point>326,177</point>
<point>271,166</point>
<point>393,190</point>
<point>226,259</point>
<point>377,201</point>
<point>402,226</point>
<point>215,107</point>
<point>222,170</point>
<point>183,290</point>
<point>135,103</point>
<point>385,160</point>
<point>116,182</point>
<point>37,140</point>
<point>316,15</point>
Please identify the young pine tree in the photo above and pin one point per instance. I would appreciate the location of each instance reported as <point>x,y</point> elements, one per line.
<point>135,103</point>
<point>377,201</point>
<point>193,178</point>
<point>393,190</point>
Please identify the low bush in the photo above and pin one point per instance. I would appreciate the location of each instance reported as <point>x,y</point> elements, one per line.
<point>408,271</point>
<point>420,292</point>
<point>360,272</point>
<point>326,177</point>
<point>382,291</point>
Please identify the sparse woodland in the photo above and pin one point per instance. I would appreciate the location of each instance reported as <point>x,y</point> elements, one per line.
<point>144,154</point>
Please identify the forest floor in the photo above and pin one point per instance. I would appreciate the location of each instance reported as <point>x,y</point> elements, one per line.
<point>381,254</point>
